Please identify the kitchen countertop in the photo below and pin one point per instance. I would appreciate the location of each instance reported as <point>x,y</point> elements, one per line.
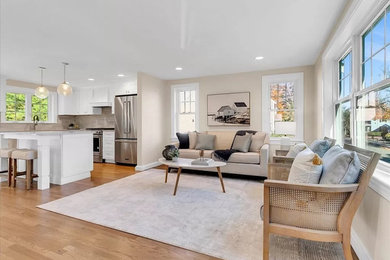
<point>48,132</point>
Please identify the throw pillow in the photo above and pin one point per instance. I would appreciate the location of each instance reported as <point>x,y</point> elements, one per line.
<point>242,143</point>
<point>340,166</point>
<point>184,140</point>
<point>192,139</point>
<point>205,142</point>
<point>296,149</point>
<point>306,168</point>
<point>320,147</point>
<point>257,141</point>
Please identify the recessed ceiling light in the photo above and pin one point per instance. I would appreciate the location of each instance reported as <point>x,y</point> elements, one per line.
<point>120,75</point>
<point>91,79</point>
<point>179,68</point>
<point>259,58</point>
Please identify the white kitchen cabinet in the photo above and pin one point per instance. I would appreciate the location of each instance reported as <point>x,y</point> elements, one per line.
<point>109,146</point>
<point>85,107</point>
<point>100,95</point>
<point>68,105</point>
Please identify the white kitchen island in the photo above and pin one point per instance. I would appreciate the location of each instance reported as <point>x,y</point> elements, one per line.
<point>63,156</point>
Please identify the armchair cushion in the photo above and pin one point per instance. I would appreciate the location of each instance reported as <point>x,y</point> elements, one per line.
<point>320,147</point>
<point>306,168</point>
<point>341,166</point>
<point>296,149</point>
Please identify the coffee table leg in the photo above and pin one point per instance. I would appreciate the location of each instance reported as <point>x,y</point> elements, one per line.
<point>177,180</point>
<point>166,174</point>
<point>220,178</point>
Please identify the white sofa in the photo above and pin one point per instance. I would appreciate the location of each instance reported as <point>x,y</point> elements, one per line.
<point>250,163</point>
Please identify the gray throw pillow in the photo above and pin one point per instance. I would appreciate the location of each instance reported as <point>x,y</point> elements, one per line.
<point>242,143</point>
<point>205,142</point>
<point>340,166</point>
<point>320,147</point>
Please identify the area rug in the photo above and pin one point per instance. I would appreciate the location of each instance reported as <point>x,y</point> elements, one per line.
<point>200,217</point>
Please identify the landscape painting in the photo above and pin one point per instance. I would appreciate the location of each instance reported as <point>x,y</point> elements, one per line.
<point>229,109</point>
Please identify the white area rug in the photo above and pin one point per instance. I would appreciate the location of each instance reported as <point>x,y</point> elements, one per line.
<point>200,217</point>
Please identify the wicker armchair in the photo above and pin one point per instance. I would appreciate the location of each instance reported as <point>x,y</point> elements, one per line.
<point>315,212</point>
<point>281,155</point>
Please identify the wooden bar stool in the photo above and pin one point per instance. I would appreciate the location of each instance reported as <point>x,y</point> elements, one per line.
<point>28,155</point>
<point>6,153</point>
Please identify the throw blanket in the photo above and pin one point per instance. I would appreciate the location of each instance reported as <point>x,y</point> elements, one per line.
<point>224,155</point>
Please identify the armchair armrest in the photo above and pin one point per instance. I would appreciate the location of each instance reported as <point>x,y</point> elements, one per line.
<point>310,206</point>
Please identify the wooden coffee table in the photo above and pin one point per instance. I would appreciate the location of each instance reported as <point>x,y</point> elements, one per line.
<point>186,164</point>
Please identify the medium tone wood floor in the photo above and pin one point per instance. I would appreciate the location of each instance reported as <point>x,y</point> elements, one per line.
<point>27,232</point>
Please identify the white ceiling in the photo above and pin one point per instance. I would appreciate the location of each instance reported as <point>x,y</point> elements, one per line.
<point>101,38</point>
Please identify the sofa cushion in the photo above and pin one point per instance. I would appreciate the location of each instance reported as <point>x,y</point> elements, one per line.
<point>320,147</point>
<point>194,154</point>
<point>184,140</point>
<point>258,140</point>
<point>249,158</point>
<point>340,166</point>
<point>192,139</point>
<point>242,143</point>
<point>306,168</point>
<point>205,142</point>
<point>296,149</point>
<point>223,139</point>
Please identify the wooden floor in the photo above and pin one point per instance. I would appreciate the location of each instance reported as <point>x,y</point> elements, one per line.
<point>27,232</point>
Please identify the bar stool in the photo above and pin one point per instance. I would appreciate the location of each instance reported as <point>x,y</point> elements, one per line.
<point>6,153</point>
<point>28,155</point>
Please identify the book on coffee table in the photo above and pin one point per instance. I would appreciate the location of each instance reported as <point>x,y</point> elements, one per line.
<point>202,161</point>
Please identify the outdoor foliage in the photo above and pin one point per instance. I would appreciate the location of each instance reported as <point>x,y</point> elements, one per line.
<point>282,95</point>
<point>16,107</point>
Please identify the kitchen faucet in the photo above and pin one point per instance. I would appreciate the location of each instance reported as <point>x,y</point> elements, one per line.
<point>35,121</point>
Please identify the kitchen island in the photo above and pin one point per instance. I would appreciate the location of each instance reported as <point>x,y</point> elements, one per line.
<point>63,156</point>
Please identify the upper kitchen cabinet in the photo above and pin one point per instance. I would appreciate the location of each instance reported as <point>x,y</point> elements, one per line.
<point>69,105</point>
<point>100,95</point>
<point>86,97</point>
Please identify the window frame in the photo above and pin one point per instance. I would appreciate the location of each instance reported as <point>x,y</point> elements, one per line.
<point>51,106</point>
<point>298,79</point>
<point>175,105</point>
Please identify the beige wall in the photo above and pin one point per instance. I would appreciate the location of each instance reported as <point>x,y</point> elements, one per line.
<point>251,81</point>
<point>153,118</point>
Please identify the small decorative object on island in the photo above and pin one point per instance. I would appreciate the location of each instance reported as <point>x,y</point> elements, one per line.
<point>170,152</point>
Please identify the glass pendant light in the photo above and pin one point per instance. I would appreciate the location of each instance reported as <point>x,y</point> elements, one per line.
<point>64,88</point>
<point>41,91</point>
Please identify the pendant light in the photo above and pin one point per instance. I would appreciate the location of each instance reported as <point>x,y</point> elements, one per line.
<point>64,88</point>
<point>41,91</point>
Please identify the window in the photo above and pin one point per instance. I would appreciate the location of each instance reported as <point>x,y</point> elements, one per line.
<point>184,108</point>
<point>345,81</point>
<point>282,102</point>
<point>376,51</point>
<point>15,107</point>
<point>21,105</point>
<point>373,121</point>
<point>39,107</point>
<point>343,122</point>
<point>282,109</point>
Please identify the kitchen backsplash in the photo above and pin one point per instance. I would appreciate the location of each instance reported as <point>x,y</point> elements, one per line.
<point>105,120</point>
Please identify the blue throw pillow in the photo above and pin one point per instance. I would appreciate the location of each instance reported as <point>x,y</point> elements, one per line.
<point>320,147</point>
<point>340,166</point>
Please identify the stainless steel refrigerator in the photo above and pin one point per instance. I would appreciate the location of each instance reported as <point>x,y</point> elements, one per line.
<point>126,129</point>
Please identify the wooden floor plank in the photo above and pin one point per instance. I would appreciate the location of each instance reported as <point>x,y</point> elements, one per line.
<point>27,232</point>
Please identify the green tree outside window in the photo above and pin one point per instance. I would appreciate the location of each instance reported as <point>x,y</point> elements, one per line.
<point>39,107</point>
<point>15,107</point>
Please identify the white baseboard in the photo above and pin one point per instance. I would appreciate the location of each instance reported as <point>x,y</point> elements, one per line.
<point>72,178</point>
<point>358,246</point>
<point>147,166</point>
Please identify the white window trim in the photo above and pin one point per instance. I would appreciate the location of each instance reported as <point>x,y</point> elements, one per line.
<point>175,106</point>
<point>52,105</point>
<point>298,79</point>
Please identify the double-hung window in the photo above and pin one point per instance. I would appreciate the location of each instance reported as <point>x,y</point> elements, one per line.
<point>184,108</point>
<point>343,104</point>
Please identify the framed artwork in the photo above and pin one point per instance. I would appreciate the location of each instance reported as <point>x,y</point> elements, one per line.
<point>228,109</point>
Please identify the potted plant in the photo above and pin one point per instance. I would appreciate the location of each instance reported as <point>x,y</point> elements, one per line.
<point>174,153</point>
